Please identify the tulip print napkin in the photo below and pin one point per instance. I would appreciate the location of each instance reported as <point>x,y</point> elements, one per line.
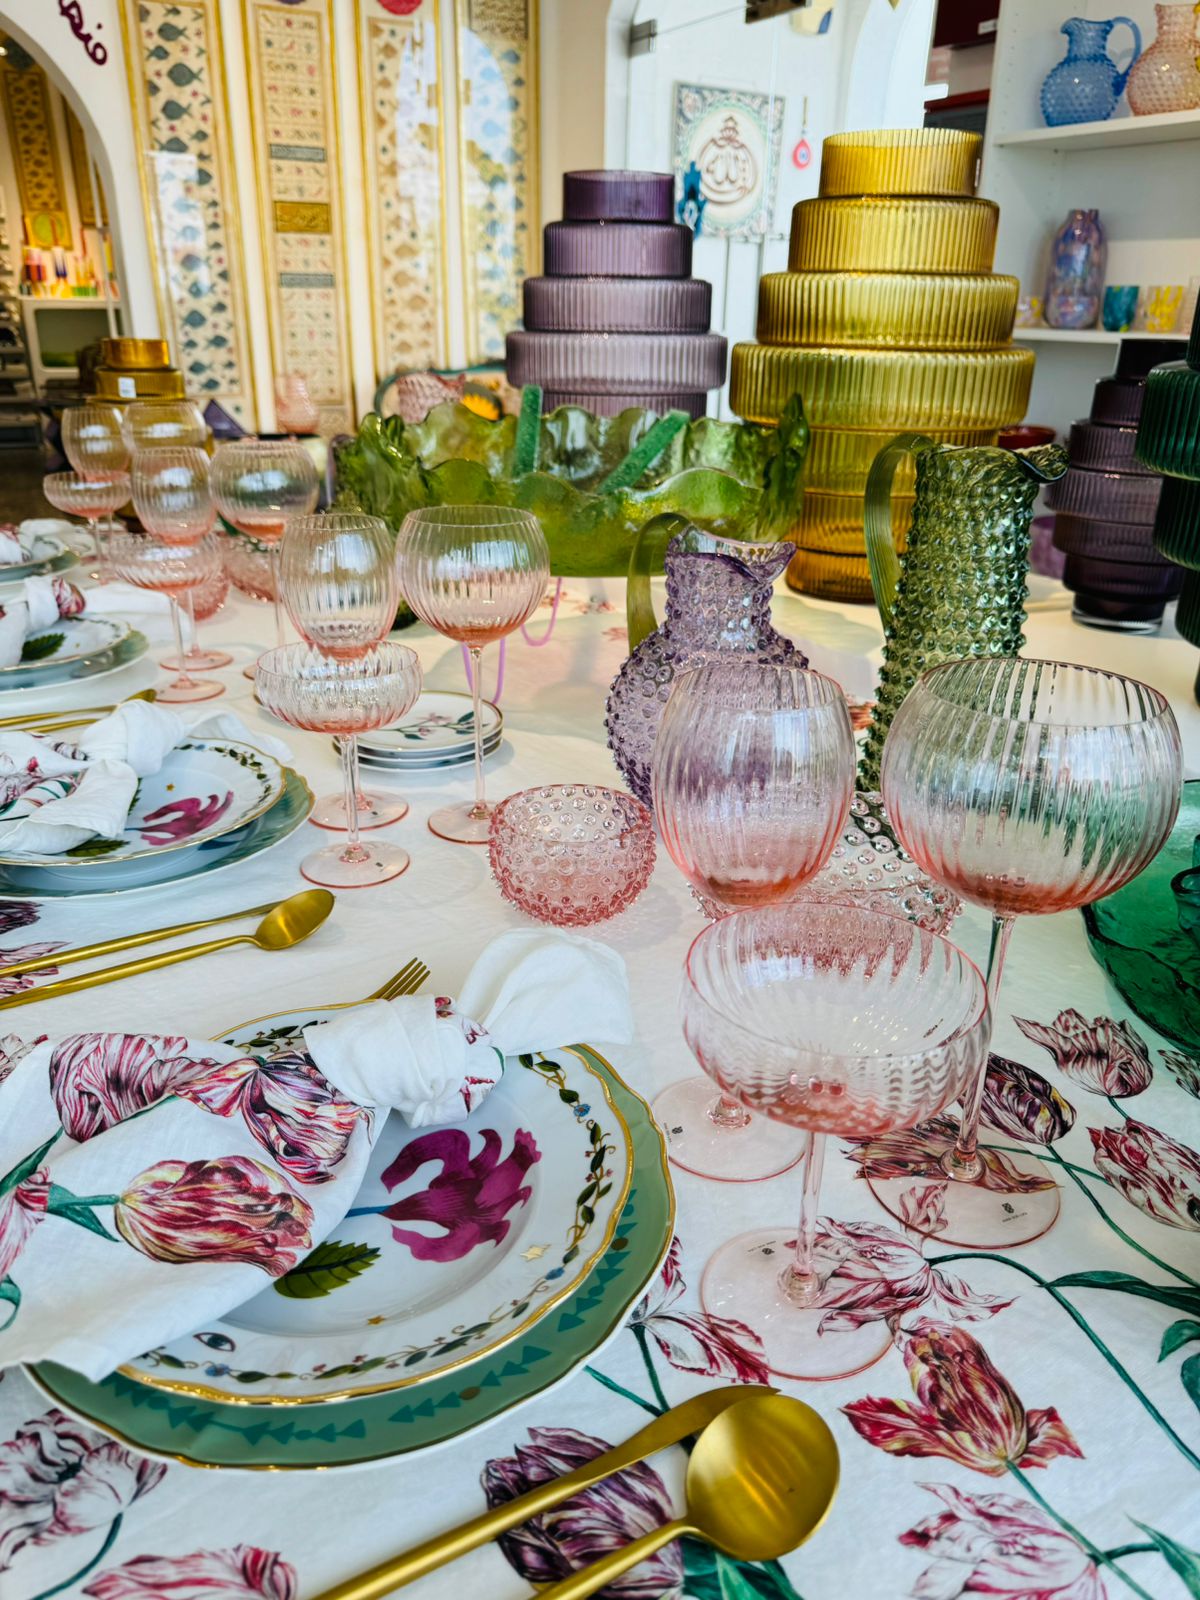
<point>57,792</point>
<point>148,1182</point>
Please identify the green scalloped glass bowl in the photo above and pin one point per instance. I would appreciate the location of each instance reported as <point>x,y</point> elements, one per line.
<point>1136,937</point>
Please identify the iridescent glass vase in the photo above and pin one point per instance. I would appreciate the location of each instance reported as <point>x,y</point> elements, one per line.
<point>718,602</point>
<point>960,590</point>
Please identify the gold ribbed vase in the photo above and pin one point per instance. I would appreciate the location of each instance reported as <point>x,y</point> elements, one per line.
<point>888,320</point>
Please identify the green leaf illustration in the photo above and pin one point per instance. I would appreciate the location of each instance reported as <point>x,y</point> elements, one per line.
<point>1176,1336</point>
<point>1184,1563</point>
<point>327,1268</point>
<point>72,1208</point>
<point>41,647</point>
<point>10,1294</point>
<point>31,1163</point>
<point>94,847</point>
<point>1190,1373</point>
<point>1177,1296</point>
<point>709,1575</point>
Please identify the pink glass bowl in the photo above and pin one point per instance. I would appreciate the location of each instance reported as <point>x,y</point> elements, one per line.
<point>571,853</point>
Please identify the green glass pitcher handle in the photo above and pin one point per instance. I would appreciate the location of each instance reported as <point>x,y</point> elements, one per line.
<point>646,561</point>
<point>882,556</point>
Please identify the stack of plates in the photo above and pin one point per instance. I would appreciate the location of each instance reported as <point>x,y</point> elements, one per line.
<point>439,731</point>
<point>75,647</point>
<point>46,555</point>
<point>211,804</point>
<point>399,1333</point>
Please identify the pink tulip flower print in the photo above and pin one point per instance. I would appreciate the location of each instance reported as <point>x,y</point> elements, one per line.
<point>16,914</point>
<point>21,1209</point>
<point>609,1516</point>
<point>69,600</point>
<point>13,1049</point>
<point>297,1117</point>
<point>469,1200</point>
<point>58,1479</point>
<point>1021,1103</point>
<point>696,1341</point>
<point>243,1573</point>
<point>1157,1174</point>
<point>27,980</point>
<point>965,1409</point>
<point>229,1209</point>
<point>918,1152</point>
<point>995,1544</point>
<point>1103,1056</point>
<point>99,1079</point>
<point>1185,1070</point>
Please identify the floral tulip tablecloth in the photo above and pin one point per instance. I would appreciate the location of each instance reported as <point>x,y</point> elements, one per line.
<point>1034,1432</point>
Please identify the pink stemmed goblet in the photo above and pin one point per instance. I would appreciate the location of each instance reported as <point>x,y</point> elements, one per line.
<point>258,485</point>
<point>475,573</point>
<point>752,773</point>
<point>1028,787</point>
<point>835,1020</point>
<point>345,698</point>
<point>91,498</point>
<point>93,442</point>
<point>571,853</point>
<point>172,496</point>
<point>200,603</point>
<point>341,590</point>
<point>162,424</point>
<point>171,569</point>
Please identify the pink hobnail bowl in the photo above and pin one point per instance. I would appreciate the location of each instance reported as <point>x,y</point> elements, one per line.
<point>571,853</point>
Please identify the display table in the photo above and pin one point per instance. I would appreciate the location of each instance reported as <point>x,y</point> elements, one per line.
<point>1105,1436</point>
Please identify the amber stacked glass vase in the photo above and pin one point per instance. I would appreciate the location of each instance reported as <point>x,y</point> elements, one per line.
<point>888,320</point>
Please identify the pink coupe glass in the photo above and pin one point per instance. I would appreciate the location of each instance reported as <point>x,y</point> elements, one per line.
<point>341,590</point>
<point>571,853</point>
<point>1028,787</point>
<point>91,498</point>
<point>171,569</point>
<point>835,1020</point>
<point>345,698</point>
<point>752,773</point>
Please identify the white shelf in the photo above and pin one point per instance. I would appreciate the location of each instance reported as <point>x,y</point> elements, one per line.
<point>1164,128</point>
<point>1084,336</point>
<point>47,302</point>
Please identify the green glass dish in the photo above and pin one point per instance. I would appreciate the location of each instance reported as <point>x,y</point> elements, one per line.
<point>1136,936</point>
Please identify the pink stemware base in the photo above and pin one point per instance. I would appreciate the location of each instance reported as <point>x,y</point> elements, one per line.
<point>756,1149</point>
<point>197,661</point>
<point>187,693</point>
<point>957,1212</point>
<point>331,870</point>
<point>460,825</point>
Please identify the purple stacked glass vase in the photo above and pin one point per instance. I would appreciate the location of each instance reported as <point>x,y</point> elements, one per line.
<point>618,320</point>
<point>1104,506</point>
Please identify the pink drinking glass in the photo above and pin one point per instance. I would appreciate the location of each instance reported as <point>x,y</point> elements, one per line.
<point>345,698</point>
<point>93,442</point>
<point>171,569</point>
<point>172,496</point>
<point>341,590</point>
<point>158,424</point>
<point>571,853</point>
<point>1028,787</point>
<point>198,605</point>
<point>831,1019</point>
<point>475,573</point>
<point>91,498</point>
<point>295,409</point>
<point>752,773</point>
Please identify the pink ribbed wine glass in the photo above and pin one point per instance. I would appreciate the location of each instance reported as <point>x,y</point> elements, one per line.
<point>475,573</point>
<point>91,498</point>
<point>258,485</point>
<point>172,496</point>
<point>198,605</point>
<point>341,590</point>
<point>163,424</point>
<point>827,1018</point>
<point>93,442</point>
<point>1028,787</point>
<point>171,569</point>
<point>752,773</point>
<point>345,698</point>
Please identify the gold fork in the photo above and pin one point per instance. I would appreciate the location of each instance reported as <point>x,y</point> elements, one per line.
<point>407,981</point>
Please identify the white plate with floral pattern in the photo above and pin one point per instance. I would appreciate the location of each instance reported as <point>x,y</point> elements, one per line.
<point>440,724</point>
<point>205,788</point>
<point>461,1239</point>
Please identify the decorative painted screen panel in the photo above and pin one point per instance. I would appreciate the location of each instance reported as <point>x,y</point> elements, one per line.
<point>35,156</point>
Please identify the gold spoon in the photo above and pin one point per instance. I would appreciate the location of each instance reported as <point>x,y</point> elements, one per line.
<point>37,721</point>
<point>760,1481</point>
<point>286,924</point>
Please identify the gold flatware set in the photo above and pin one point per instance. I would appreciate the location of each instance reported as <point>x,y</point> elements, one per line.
<point>60,721</point>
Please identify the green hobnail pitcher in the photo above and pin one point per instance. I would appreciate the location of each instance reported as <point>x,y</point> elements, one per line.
<point>959,589</point>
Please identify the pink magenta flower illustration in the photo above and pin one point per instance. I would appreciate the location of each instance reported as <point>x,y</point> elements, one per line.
<point>99,1079</point>
<point>58,1478</point>
<point>1104,1056</point>
<point>1184,1069</point>
<point>471,1197</point>
<point>21,1209</point>
<point>696,1341</point>
<point>180,819</point>
<point>287,1105</point>
<point>243,1573</point>
<point>995,1544</point>
<point>230,1209</point>
<point>607,1517</point>
<point>1155,1173</point>
<point>965,1409</point>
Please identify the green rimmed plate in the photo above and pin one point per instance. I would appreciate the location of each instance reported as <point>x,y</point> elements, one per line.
<point>120,652</point>
<point>48,555</point>
<point>353,1433</point>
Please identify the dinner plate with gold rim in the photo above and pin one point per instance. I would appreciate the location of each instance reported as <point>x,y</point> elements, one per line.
<point>126,646</point>
<point>379,1428</point>
<point>47,555</point>
<point>461,1239</point>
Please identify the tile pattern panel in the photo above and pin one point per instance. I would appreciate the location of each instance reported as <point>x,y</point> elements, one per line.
<point>35,155</point>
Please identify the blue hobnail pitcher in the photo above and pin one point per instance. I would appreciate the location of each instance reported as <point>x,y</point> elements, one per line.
<point>1086,84</point>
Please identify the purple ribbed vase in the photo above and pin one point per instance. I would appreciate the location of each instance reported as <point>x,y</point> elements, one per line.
<point>615,196</point>
<point>599,362</point>
<point>618,250</point>
<point>617,305</point>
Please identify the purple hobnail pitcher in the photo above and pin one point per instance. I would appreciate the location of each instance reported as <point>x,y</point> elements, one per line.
<point>718,601</point>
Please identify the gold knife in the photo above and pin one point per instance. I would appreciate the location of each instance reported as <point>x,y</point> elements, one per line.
<point>678,1423</point>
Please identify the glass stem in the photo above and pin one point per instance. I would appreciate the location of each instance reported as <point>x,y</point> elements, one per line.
<point>99,552</point>
<point>800,1280</point>
<point>194,647</point>
<point>479,809</point>
<point>182,681</point>
<point>277,586</point>
<point>963,1161</point>
<point>727,1113</point>
<point>348,746</point>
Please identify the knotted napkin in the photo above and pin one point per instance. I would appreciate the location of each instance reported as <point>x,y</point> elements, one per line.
<point>15,547</point>
<point>43,601</point>
<point>149,1182</point>
<point>58,791</point>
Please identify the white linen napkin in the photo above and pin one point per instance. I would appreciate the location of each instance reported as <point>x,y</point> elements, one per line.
<point>42,600</point>
<point>147,1182</point>
<point>56,792</point>
<point>12,551</point>
<point>122,600</point>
